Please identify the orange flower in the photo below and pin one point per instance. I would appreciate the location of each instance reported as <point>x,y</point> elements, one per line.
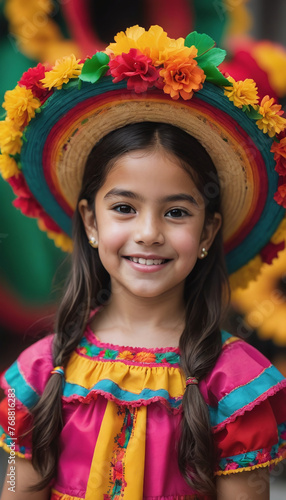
<point>10,138</point>
<point>181,74</point>
<point>271,122</point>
<point>125,355</point>
<point>145,357</point>
<point>20,105</point>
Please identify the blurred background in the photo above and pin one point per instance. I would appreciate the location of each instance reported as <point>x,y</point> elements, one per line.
<point>32,269</point>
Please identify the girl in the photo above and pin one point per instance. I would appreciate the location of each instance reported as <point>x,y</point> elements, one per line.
<point>139,394</point>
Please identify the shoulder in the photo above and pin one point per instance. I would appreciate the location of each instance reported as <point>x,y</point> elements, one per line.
<point>241,379</point>
<point>28,375</point>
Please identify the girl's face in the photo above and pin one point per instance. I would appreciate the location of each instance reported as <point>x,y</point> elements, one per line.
<point>149,222</point>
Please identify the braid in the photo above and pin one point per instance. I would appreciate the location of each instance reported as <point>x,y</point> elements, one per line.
<point>200,346</point>
<point>71,321</point>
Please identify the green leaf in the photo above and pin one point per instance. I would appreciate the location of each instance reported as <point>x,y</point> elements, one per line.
<point>213,75</point>
<point>253,113</point>
<point>72,83</point>
<point>214,56</point>
<point>202,42</point>
<point>94,68</point>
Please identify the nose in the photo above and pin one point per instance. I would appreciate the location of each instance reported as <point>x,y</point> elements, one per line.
<point>148,230</point>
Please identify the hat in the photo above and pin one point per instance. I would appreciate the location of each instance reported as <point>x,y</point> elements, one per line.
<point>55,115</point>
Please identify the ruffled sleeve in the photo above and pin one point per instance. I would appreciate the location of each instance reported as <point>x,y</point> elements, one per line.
<point>246,397</point>
<point>23,383</point>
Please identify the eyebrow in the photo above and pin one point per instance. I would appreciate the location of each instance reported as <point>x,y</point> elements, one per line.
<point>134,196</point>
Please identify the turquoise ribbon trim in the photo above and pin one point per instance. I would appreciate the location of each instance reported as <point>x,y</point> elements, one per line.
<point>112,389</point>
<point>225,336</point>
<point>242,396</point>
<point>23,391</point>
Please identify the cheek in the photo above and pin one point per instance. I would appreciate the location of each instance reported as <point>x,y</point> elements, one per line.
<point>187,243</point>
<point>111,237</point>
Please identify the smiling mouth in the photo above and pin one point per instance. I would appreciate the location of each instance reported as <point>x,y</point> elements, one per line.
<point>147,262</point>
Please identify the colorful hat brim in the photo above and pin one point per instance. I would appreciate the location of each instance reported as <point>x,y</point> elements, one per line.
<point>60,138</point>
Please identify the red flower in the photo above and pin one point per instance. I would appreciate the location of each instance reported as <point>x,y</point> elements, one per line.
<point>263,456</point>
<point>28,206</point>
<point>31,80</point>
<point>136,68</point>
<point>280,195</point>
<point>279,150</point>
<point>19,186</point>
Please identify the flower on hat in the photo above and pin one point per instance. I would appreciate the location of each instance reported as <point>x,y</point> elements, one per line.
<point>271,122</point>
<point>280,195</point>
<point>279,150</point>
<point>66,68</point>
<point>10,137</point>
<point>242,93</point>
<point>31,79</point>
<point>181,74</point>
<point>136,68</point>
<point>154,43</point>
<point>20,105</point>
<point>8,166</point>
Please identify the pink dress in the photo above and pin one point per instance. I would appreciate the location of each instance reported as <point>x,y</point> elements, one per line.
<point>122,409</point>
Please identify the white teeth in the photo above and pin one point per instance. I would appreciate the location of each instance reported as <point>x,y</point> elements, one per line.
<point>148,262</point>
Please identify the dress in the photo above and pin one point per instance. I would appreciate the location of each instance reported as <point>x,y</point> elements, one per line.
<point>122,410</point>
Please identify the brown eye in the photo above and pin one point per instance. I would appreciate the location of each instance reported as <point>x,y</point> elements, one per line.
<point>123,209</point>
<point>177,212</point>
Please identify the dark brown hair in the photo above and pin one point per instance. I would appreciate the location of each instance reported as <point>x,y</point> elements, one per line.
<point>88,286</point>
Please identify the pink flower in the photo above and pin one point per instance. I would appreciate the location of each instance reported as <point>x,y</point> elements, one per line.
<point>31,80</point>
<point>231,466</point>
<point>136,68</point>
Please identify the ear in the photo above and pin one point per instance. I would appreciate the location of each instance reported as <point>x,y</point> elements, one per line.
<point>88,219</point>
<point>209,233</point>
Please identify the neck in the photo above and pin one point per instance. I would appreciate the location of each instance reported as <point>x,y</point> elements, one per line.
<point>142,321</point>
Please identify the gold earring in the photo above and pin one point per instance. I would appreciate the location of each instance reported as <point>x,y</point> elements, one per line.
<point>204,253</point>
<point>93,243</point>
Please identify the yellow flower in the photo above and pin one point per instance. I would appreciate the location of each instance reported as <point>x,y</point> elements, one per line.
<point>263,302</point>
<point>61,241</point>
<point>153,43</point>
<point>10,138</point>
<point>242,93</point>
<point>8,167</point>
<point>66,68</point>
<point>271,122</point>
<point>20,105</point>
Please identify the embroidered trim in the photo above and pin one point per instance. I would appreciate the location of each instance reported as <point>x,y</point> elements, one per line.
<point>128,355</point>
<point>117,468</point>
<point>270,464</point>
